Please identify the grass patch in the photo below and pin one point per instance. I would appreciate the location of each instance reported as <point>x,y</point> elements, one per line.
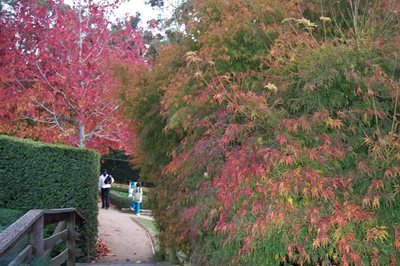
<point>150,225</point>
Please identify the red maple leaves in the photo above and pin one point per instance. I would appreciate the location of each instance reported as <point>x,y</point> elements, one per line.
<point>58,85</point>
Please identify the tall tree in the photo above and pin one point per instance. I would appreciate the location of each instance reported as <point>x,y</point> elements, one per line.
<point>56,79</point>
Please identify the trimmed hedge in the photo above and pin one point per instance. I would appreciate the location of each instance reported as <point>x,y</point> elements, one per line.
<point>35,175</point>
<point>120,199</point>
<point>8,216</point>
<point>121,170</point>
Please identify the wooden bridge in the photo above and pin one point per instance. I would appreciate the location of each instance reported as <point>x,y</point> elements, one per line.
<point>28,232</point>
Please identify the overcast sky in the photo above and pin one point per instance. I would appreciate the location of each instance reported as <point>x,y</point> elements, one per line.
<point>130,7</point>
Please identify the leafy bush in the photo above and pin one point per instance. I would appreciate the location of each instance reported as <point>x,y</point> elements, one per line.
<point>279,134</point>
<point>34,175</point>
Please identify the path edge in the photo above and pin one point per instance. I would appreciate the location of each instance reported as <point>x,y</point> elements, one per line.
<point>148,235</point>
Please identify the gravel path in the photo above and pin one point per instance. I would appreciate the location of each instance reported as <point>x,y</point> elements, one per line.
<point>129,242</point>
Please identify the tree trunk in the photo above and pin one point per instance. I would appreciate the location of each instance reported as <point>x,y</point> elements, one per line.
<point>81,135</point>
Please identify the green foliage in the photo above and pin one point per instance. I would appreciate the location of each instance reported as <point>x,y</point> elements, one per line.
<point>120,190</point>
<point>282,120</point>
<point>34,175</point>
<point>120,169</point>
<point>38,262</point>
<point>121,200</point>
<point>8,216</point>
<point>14,251</point>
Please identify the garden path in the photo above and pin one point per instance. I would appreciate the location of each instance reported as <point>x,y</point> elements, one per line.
<point>128,241</point>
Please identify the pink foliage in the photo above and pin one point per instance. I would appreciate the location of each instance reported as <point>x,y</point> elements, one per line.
<point>57,80</point>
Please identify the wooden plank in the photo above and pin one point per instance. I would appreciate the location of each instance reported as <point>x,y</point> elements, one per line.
<point>52,216</point>
<point>52,241</point>
<point>78,252</point>
<point>60,226</point>
<point>37,237</point>
<point>20,258</point>
<point>61,210</point>
<point>60,258</point>
<point>18,229</point>
<point>71,239</point>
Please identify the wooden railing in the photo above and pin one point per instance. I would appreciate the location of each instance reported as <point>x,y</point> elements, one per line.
<point>29,229</point>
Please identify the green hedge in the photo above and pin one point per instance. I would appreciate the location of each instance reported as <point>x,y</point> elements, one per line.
<point>120,199</point>
<point>120,169</point>
<point>8,216</point>
<point>120,190</point>
<point>35,175</point>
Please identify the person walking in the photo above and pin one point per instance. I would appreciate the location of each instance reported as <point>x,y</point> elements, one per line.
<point>137,196</point>
<point>105,182</point>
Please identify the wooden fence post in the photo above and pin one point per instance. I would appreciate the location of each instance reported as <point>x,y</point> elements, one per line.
<point>71,239</point>
<point>37,237</point>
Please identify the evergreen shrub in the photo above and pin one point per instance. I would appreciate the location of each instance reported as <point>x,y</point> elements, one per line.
<point>35,175</point>
<point>8,216</point>
<point>121,200</point>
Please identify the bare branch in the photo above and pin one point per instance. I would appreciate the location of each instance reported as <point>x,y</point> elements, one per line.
<point>55,120</point>
<point>97,128</point>
<point>95,111</point>
<point>58,74</point>
<point>107,137</point>
<point>91,52</point>
<point>54,88</point>
<point>20,84</point>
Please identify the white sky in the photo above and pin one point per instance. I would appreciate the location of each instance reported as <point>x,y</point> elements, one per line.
<point>130,7</point>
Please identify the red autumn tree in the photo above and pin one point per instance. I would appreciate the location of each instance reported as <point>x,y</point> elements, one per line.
<point>56,73</point>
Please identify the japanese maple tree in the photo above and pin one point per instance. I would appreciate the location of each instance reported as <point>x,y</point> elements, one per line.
<point>56,74</point>
<point>280,133</point>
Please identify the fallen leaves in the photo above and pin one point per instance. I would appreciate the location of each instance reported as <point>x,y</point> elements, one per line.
<point>101,248</point>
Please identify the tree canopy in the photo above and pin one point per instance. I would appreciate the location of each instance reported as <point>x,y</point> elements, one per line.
<point>57,65</point>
